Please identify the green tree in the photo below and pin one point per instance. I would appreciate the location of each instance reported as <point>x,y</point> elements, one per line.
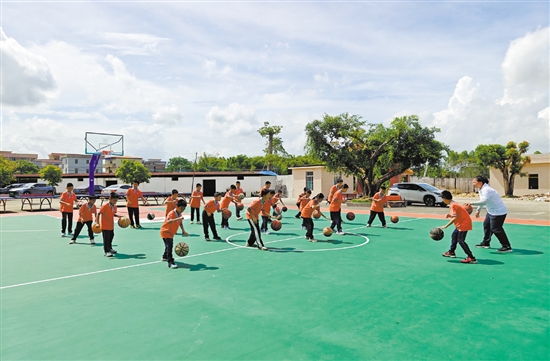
<point>274,144</point>
<point>211,162</point>
<point>179,164</point>
<point>7,169</point>
<point>132,170</point>
<point>372,153</point>
<point>509,160</point>
<point>237,162</point>
<point>51,174</point>
<point>465,164</point>
<point>26,167</point>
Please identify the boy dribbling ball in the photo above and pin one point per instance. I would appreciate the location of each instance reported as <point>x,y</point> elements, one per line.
<point>66,204</point>
<point>461,219</point>
<point>170,228</point>
<point>106,219</point>
<point>86,215</point>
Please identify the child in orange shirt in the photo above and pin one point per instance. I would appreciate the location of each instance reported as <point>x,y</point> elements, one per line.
<point>335,208</point>
<point>252,215</point>
<point>208,216</point>
<point>170,228</point>
<point>226,201</point>
<point>463,223</point>
<point>266,208</point>
<point>333,189</point>
<point>276,199</point>
<point>377,207</point>
<point>299,202</point>
<point>238,190</point>
<point>304,200</point>
<point>132,204</point>
<point>106,220</point>
<point>196,198</point>
<point>307,212</point>
<point>172,202</point>
<point>66,204</point>
<point>87,213</point>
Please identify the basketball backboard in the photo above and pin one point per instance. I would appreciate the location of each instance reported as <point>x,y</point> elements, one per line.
<point>105,144</point>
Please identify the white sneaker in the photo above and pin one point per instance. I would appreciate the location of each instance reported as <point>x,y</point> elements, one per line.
<point>72,241</point>
<point>191,222</point>
<point>341,232</point>
<point>313,240</point>
<point>266,232</point>
<point>239,218</point>
<point>63,235</point>
<point>368,225</point>
<point>108,254</point>
<point>173,266</point>
<point>92,241</point>
<point>199,223</point>
<point>70,234</point>
<point>384,226</point>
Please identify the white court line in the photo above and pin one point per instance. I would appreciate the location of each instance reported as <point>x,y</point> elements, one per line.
<point>143,264</point>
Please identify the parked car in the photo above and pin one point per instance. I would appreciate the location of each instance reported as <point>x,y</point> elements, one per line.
<point>120,189</point>
<point>417,193</point>
<point>7,188</point>
<point>32,188</point>
<point>83,189</point>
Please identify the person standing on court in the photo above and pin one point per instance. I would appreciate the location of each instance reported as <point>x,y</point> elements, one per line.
<point>377,207</point>
<point>335,209</point>
<point>169,228</point>
<point>496,214</point>
<point>333,189</point>
<point>66,202</point>
<point>252,216</point>
<point>238,190</point>
<point>132,204</point>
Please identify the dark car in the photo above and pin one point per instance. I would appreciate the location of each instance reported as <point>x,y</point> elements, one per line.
<point>83,189</point>
<point>32,188</point>
<point>7,188</point>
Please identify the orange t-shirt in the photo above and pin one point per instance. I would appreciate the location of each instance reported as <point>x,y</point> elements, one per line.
<point>69,198</point>
<point>303,202</point>
<point>86,212</point>
<point>337,200</point>
<point>378,202</point>
<point>255,208</point>
<point>226,200</point>
<point>132,197</point>
<point>463,222</point>
<point>170,205</point>
<point>238,191</point>
<point>266,208</point>
<point>276,198</point>
<point>307,211</point>
<point>212,206</point>
<point>168,230</point>
<point>107,219</point>
<point>196,202</point>
<point>331,192</point>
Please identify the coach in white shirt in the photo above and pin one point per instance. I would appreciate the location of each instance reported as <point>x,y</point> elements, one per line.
<point>496,214</point>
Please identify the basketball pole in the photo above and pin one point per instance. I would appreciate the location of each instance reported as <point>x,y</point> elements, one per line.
<point>194,170</point>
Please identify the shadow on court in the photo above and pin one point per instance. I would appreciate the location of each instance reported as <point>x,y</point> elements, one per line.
<point>522,252</point>
<point>127,256</point>
<point>196,267</point>
<point>485,262</point>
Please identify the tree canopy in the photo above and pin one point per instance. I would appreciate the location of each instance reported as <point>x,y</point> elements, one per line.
<point>7,169</point>
<point>51,174</point>
<point>132,170</point>
<point>179,164</point>
<point>372,152</point>
<point>26,167</point>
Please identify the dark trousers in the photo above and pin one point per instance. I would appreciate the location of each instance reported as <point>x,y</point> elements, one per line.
<point>67,217</point>
<point>308,223</point>
<point>108,237</point>
<point>79,226</point>
<point>208,221</point>
<point>255,238</point>
<point>460,238</point>
<point>168,243</point>
<point>237,211</point>
<point>336,220</point>
<point>225,222</point>
<point>493,225</point>
<point>133,214</point>
<point>193,210</point>
<point>274,210</point>
<point>264,223</point>
<point>380,216</point>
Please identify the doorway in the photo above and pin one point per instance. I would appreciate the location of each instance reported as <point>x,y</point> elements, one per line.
<point>209,187</point>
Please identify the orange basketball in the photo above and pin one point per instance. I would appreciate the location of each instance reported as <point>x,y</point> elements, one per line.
<point>327,231</point>
<point>240,206</point>
<point>96,228</point>
<point>316,214</point>
<point>276,225</point>
<point>394,219</point>
<point>123,222</point>
<point>350,216</point>
<point>226,213</point>
<point>469,209</point>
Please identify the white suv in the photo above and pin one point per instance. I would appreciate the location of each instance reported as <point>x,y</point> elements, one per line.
<point>417,193</point>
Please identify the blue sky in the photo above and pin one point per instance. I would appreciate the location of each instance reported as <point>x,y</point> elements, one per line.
<point>183,77</point>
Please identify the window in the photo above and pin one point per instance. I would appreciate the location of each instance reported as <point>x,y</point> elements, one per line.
<point>87,161</point>
<point>309,180</point>
<point>80,179</point>
<point>533,181</point>
<point>76,161</point>
<point>175,179</point>
<point>240,177</point>
<point>76,170</point>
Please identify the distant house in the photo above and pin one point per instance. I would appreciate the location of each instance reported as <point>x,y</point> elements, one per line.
<point>404,177</point>
<point>318,179</point>
<point>155,165</point>
<point>536,182</point>
<point>77,163</point>
<point>111,164</point>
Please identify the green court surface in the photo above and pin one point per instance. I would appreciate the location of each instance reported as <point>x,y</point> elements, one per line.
<point>375,294</point>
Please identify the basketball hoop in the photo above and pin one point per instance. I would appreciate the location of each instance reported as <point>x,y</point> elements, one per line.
<point>106,153</point>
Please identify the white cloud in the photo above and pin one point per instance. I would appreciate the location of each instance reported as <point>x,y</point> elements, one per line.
<point>322,78</point>
<point>132,43</point>
<point>234,120</point>
<point>168,115</point>
<point>144,140</point>
<point>26,77</point>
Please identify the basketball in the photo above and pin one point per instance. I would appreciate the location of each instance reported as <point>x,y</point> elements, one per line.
<point>437,234</point>
<point>150,216</point>
<point>279,217</point>
<point>316,214</point>
<point>241,196</point>
<point>350,216</point>
<point>240,206</point>
<point>276,225</point>
<point>469,209</point>
<point>96,228</point>
<point>181,249</point>
<point>285,209</point>
<point>226,213</point>
<point>394,219</point>
<point>327,231</point>
<point>123,222</point>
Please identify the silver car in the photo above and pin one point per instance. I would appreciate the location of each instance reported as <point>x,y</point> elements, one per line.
<point>32,188</point>
<point>120,189</point>
<point>418,193</point>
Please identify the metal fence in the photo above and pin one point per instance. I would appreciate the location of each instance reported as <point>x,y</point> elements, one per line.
<point>452,184</point>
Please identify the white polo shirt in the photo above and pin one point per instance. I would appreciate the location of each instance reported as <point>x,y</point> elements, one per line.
<point>489,198</point>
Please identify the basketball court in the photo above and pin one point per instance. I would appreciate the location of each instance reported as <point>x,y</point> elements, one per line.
<point>373,293</point>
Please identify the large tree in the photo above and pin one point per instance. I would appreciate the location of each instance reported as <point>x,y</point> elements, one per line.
<point>26,167</point>
<point>132,170</point>
<point>7,169</point>
<point>51,174</point>
<point>274,144</point>
<point>509,159</point>
<point>179,164</point>
<point>372,153</point>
